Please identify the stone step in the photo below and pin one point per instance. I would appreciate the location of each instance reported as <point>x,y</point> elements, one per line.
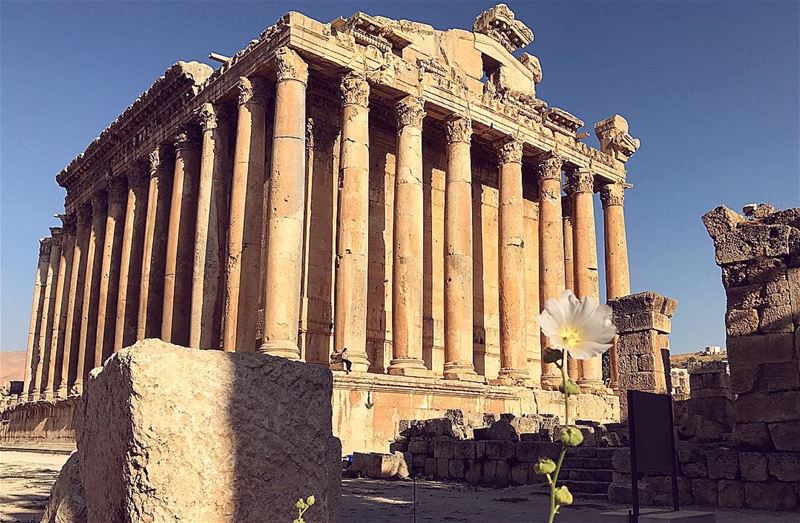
<point>603,475</point>
<point>587,463</point>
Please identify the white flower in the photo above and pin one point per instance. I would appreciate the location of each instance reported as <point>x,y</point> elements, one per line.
<point>583,328</point>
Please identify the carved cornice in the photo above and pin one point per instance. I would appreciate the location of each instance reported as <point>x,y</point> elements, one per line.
<point>68,222</point>
<point>579,181</point>
<point>355,90</point>
<point>410,111</point>
<point>289,66</point>
<point>549,166</point>
<point>615,139</point>
<point>612,194</point>
<point>252,90</point>
<point>459,129</point>
<point>499,24</point>
<point>510,152</point>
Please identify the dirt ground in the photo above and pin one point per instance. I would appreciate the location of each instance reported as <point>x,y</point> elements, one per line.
<point>26,478</point>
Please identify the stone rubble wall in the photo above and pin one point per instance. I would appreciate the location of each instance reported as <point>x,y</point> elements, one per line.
<point>709,409</point>
<point>39,422</point>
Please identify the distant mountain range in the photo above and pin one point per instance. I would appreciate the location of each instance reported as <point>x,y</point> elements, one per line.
<point>12,366</point>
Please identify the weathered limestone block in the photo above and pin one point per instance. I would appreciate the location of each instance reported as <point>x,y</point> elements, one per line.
<point>168,433</point>
<point>67,502</point>
<point>784,466</point>
<point>752,436</point>
<point>753,466</point>
<point>770,495</point>
<point>785,435</point>
<point>730,494</point>
<point>723,464</point>
<point>380,466</point>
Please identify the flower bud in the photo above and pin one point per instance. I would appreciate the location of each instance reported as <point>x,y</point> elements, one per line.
<point>563,496</point>
<point>545,466</point>
<point>311,500</point>
<point>570,387</point>
<point>571,436</point>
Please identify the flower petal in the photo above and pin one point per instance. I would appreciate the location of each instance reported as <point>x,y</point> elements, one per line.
<point>587,350</point>
<point>548,325</point>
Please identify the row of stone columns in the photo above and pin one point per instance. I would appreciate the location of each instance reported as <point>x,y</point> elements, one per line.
<point>198,239</point>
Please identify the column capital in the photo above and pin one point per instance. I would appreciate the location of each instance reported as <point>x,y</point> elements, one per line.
<point>207,116</point>
<point>459,129</point>
<point>355,90</point>
<point>99,201</point>
<point>158,159</point>
<point>289,66</point>
<point>68,222</point>
<point>187,139</point>
<point>84,214</point>
<point>57,235</point>
<point>579,180</point>
<point>44,246</point>
<point>252,90</point>
<point>410,111</point>
<point>612,194</point>
<point>117,189</point>
<point>549,166</point>
<point>510,151</point>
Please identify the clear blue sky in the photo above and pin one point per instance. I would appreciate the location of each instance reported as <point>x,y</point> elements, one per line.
<point>711,89</point>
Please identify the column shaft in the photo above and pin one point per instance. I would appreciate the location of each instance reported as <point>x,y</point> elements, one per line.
<point>618,282</point>
<point>209,249</point>
<point>532,309</point>
<point>180,241</point>
<point>36,314</point>
<point>286,209</point>
<point>350,308</point>
<point>581,189</point>
<point>407,263</point>
<point>109,272</point>
<point>240,305</point>
<point>130,270</point>
<point>77,283</point>
<point>46,325</point>
<point>66,268</point>
<point>573,366</point>
<point>57,313</point>
<point>551,247</point>
<point>511,230</point>
<point>151,290</point>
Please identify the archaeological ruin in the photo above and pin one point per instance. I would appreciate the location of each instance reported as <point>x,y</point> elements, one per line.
<point>366,184</point>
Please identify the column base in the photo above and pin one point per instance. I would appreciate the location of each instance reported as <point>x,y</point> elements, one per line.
<point>408,367</point>
<point>512,377</point>
<point>359,361</point>
<point>588,386</point>
<point>62,392</point>
<point>77,389</point>
<point>281,348</point>
<point>462,372</point>
<point>551,382</point>
<point>48,395</point>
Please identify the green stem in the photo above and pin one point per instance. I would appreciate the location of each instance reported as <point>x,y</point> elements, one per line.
<point>553,483</point>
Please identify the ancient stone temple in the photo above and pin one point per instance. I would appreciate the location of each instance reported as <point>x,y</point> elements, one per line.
<point>366,184</point>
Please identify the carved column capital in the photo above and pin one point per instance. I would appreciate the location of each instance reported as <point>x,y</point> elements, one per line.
<point>289,66</point>
<point>68,222</point>
<point>207,116</point>
<point>117,189</point>
<point>410,111</point>
<point>252,90</point>
<point>355,90</point>
<point>549,166</point>
<point>187,139</point>
<point>510,152</point>
<point>612,194</point>
<point>44,246</point>
<point>57,236</point>
<point>459,129</point>
<point>579,181</point>
<point>99,203</point>
<point>84,214</point>
<point>158,159</point>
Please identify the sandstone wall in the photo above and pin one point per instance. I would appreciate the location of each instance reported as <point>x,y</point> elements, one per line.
<point>40,422</point>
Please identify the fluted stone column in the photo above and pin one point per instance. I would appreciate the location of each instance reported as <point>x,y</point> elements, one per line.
<point>60,243</point>
<point>407,268</point>
<point>94,255</point>
<point>551,247</point>
<point>350,308</point>
<point>580,188</point>
<point>130,269</point>
<point>458,317</point>
<point>109,270</point>
<point>573,366</point>
<point>212,203</point>
<point>154,252</point>
<point>618,280</point>
<point>240,305</point>
<point>61,308</point>
<point>532,309</point>
<point>180,240</point>
<point>511,231</point>
<point>77,284</point>
<point>36,314</point>
<point>284,254</point>
<point>46,322</point>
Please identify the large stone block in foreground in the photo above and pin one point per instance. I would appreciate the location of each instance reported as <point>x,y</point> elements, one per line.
<point>167,433</point>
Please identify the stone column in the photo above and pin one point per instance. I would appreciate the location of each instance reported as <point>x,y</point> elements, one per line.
<point>57,346</point>
<point>532,309</point>
<point>109,271</point>
<point>513,359</point>
<point>350,308</point>
<point>36,315</point>
<point>212,198</point>
<point>91,288</point>
<point>407,269</point>
<point>130,270</point>
<point>580,188</point>
<point>64,242</point>
<point>643,322</point>
<point>458,318</point>
<point>151,290</point>
<point>284,254</point>
<point>573,367</point>
<point>551,247</point>
<point>240,306</point>
<point>618,280</point>
<point>46,321</point>
<point>77,284</point>
<point>180,240</point>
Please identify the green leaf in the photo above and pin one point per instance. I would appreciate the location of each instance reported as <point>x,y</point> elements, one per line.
<point>310,501</point>
<point>552,355</point>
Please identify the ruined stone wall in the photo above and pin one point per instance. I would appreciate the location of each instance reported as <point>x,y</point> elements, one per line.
<point>760,259</point>
<point>40,422</point>
<point>710,405</point>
